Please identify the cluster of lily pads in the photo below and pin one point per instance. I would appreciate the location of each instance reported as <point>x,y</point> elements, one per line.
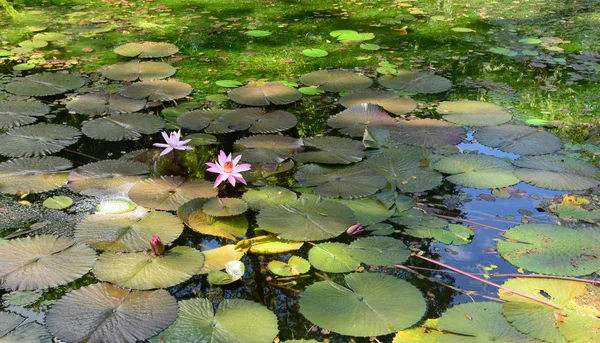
<point>357,177</point>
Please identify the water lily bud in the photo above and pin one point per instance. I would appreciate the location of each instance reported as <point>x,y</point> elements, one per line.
<point>158,248</point>
<point>354,230</point>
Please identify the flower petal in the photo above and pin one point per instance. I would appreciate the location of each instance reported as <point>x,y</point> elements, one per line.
<point>231,180</point>
<point>240,179</point>
<point>242,168</point>
<point>222,157</point>
<point>161,145</point>
<point>220,178</point>
<point>166,151</point>
<point>166,137</point>
<point>237,159</point>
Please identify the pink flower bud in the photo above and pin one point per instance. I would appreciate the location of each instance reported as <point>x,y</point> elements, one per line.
<point>354,230</point>
<point>158,248</point>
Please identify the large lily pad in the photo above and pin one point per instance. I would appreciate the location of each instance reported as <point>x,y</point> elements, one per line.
<point>347,183</point>
<point>416,82</point>
<point>379,251</point>
<point>272,93</point>
<point>37,140</point>
<point>519,139</point>
<point>108,177</point>
<point>553,249</point>
<point>123,126</point>
<point>127,232</point>
<point>479,322</point>
<point>12,329</point>
<point>419,223</point>
<point>103,313</point>
<point>132,71</point>
<point>157,90</point>
<point>199,119</point>
<point>42,262</point>
<point>473,113</point>
<point>389,101</point>
<point>141,270</point>
<point>257,121</point>
<point>235,320</point>
<point>169,192</point>
<point>224,207</point>
<point>104,103</point>
<point>268,148</point>
<point>427,132</point>
<point>33,175</point>
<point>354,120</point>
<point>264,197</point>
<point>146,49</point>
<point>332,257</point>
<point>306,219</point>
<point>44,84</point>
<point>477,171</point>
<point>557,172</point>
<point>368,211</point>
<point>373,304</point>
<point>331,150</point>
<point>17,113</point>
<point>193,215</point>
<point>336,80</point>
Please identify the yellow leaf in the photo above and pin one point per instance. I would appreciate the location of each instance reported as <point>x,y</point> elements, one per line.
<point>402,31</point>
<point>487,276</point>
<point>520,270</point>
<point>25,202</point>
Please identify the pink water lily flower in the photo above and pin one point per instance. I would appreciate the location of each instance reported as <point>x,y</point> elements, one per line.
<point>173,142</point>
<point>228,169</point>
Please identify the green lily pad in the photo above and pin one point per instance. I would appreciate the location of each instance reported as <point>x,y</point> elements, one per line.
<point>306,219</point>
<point>368,211</point>
<point>462,29</point>
<point>477,171</point>
<point>421,82</point>
<point>370,46</point>
<point>116,206</point>
<point>530,41</point>
<point>41,262</point>
<point>21,298</point>
<point>24,66</point>
<point>268,245</point>
<point>229,227</point>
<point>336,80</point>
<point>140,270</point>
<point>33,175</point>
<point>427,132</point>
<point>503,51</point>
<point>146,49</point>
<point>233,320</point>
<point>380,229</point>
<point>552,249</point>
<point>314,52</point>
<point>132,71</point>
<point>12,329</point>
<point>373,304</point>
<point>473,113</point>
<point>379,251</point>
<point>104,103</point>
<point>157,90</point>
<point>479,322</point>
<point>58,202</point>
<point>33,44</point>
<point>267,148</point>
<point>107,177</point>
<point>37,140</point>
<point>17,113</point>
<point>418,223</point>
<point>258,33</point>
<point>169,192</point>
<point>272,93</point>
<point>390,101</point>
<point>50,36</point>
<point>557,172</point>
<point>312,90</point>
<point>294,266</point>
<point>350,36</point>
<point>127,232</point>
<point>332,257</point>
<point>268,196</point>
<point>90,314</point>
<point>257,121</point>
<point>346,183</point>
<point>199,119</point>
<point>234,271</point>
<point>354,120</point>
<point>224,207</point>
<point>128,126</point>
<point>44,84</point>
<point>519,139</point>
<point>228,83</point>
<point>331,150</point>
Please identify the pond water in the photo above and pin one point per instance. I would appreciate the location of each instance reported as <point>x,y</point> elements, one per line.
<point>478,149</point>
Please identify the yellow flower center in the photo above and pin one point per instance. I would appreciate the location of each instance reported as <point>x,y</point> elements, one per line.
<point>228,166</point>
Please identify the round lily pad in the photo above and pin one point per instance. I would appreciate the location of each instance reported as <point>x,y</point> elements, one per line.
<point>104,313</point>
<point>519,139</point>
<point>477,171</point>
<point>268,148</point>
<point>373,304</point>
<point>416,82</point>
<point>224,207</point>
<point>272,93</point>
<point>199,119</point>
<point>256,121</point>
<point>123,126</point>
<point>258,33</point>
<point>132,71</point>
<point>427,132</point>
<point>33,44</point>
<point>389,101</point>
<point>127,232</point>
<point>368,211</point>
<point>552,249</point>
<point>417,221</point>
<point>332,257</point>
<point>306,219</point>
<point>233,320</point>
<point>44,84</point>
<point>116,206</point>
<point>50,36</point>
<point>268,196</point>
<point>268,245</point>
<point>41,262</point>
<point>354,120</point>
<point>108,177</point>
<point>315,52</point>
<point>557,172</point>
<point>379,251</point>
<point>229,227</point>
<point>473,113</point>
<point>36,140</point>
<point>294,266</point>
<point>336,80</point>
<point>347,183</point>
<point>104,103</point>
<point>58,202</point>
<point>33,175</point>
<point>146,49</point>
<point>12,329</point>
<point>331,150</point>
<point>141,270</point>
<point>157,90</point>
<point>17,113</point>
<point>169,192</point>
<point>228,83</point>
